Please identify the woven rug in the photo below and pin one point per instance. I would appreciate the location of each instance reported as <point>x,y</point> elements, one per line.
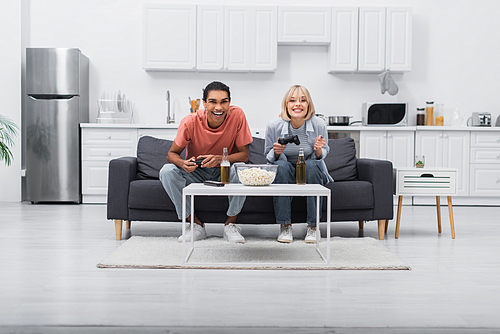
<point>256,253</point>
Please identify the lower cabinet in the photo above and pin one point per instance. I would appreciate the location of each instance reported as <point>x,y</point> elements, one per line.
<point>101,145</point>
<point>485,164</point>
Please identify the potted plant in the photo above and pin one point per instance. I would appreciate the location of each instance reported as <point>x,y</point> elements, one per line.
<point>8,130</point>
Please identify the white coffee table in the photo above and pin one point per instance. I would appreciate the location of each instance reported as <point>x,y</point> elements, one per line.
<point>199,189</point>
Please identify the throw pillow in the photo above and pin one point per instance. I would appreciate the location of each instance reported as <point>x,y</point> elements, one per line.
<point>341,160</point>
<point>256,151</point>
<point>151,156</point>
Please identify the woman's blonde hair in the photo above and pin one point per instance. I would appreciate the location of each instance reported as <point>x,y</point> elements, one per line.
<point>288,95</point>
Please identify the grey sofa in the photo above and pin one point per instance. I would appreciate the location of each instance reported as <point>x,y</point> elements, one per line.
<point>362,191</point>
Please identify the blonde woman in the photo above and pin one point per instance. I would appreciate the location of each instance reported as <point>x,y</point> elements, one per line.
<point>296,119</point>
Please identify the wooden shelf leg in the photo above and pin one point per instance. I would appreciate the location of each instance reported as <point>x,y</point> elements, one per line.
<point>128,224</point>
<point>118,229</point>
<point>452,223</point>
<point>361,224</point>
<point>398,219</point>
<point>381,229</point>
<point>438,206</point>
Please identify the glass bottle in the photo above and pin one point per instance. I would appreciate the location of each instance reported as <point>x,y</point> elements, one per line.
<point>300,169</point>
<point>225,167</point>
<point>429,110</point>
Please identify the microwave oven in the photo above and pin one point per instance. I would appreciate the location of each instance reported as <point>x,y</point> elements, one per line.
<point>384,114</point>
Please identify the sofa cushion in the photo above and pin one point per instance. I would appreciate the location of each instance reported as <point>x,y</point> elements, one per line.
<point>256,151</point>
<point>151,156</point>
<point>341,160</point>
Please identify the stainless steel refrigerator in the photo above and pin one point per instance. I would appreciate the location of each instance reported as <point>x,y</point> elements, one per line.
<point>57,85</point>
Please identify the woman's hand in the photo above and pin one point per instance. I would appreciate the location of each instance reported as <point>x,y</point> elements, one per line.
<point>278,149</point>
<point>319,142</point>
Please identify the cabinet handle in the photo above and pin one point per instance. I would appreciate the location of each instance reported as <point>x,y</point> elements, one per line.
<point>498,180</point>
<point>304,40</point>
<point>446,136</point>
<point>390,136</point>
<point>498,156</point>
<point>109,136</point>
<point>109,152</point>
<point>440,136</point>
<point>385,135</point>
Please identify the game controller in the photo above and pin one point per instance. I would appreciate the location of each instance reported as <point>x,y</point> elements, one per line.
<point>198,162</point>
<point>287,140</point>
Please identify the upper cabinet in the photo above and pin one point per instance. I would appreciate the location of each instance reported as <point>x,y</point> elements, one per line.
<point>169,37</point>
<point>210,38</point>
<point>371,39</point>
<point>304,25</point>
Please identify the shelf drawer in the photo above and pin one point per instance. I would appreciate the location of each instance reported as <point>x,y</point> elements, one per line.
<point>427,182</point>
<point>106,153</point>
<point>124,137</point>
<point>485,180</point>
<point>485,155</point>
<point>485,139</point>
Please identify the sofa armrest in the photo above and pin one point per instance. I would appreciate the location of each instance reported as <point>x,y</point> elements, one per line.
<point>379,174</point>
<point>122,171</point>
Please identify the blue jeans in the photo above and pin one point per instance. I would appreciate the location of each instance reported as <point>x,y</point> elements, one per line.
<point>286,175</point>
<point>174,179</point>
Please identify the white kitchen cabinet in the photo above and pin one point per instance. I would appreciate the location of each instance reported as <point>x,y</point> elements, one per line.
<point>377,39</point>
<point>157,133</point>
<point>485,164</point>
<point>304,25</point>
<point>99,146</point>
<point>371,39</point>
<point>395,146</point>
<point>169,37</point>
<point>343,50</point>
<point>398,41</point>
<point>237,38</point>
<point>446,149</point>
<point>210,38</point>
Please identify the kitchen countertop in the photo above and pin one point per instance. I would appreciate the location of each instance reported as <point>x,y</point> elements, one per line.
<point>330,128</point>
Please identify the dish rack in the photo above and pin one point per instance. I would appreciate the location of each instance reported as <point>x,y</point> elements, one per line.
<point>115,110</point>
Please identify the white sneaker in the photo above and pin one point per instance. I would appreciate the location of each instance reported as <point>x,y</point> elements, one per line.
<point>286,234</point>
<point>199,233</point>
<point>232,234</point>
<point>311,235</point>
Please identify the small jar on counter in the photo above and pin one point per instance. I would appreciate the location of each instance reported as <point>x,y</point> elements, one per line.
<point>439,114</point>
<point>429,111</point>
<point>420,116</point>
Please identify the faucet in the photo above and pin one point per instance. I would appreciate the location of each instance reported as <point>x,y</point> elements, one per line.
<point>170,119</point>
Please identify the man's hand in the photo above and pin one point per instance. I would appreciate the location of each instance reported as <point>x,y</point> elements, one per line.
<point>210,160</point>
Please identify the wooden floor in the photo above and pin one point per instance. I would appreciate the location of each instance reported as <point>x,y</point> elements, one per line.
<point>49,282</point>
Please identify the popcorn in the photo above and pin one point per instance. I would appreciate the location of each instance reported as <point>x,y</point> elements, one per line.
<point>256,176</point>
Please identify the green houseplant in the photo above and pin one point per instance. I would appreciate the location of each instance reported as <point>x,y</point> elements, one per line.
<point>8,130</point>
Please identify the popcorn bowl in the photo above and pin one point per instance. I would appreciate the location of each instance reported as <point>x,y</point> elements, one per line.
<point>256,175</point>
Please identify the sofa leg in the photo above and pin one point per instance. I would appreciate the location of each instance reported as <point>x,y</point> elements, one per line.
<point>128,224</point>
<point>361,224</point>
<point>118,229</point>
<point>386,225</point>
<point>381,229</point>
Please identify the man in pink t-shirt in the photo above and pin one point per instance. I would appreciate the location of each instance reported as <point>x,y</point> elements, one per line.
<point>204,134</point>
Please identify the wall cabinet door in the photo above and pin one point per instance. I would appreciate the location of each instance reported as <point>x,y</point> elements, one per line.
<point>169,37</point>
<point>264,39</point>
<point>304,25</point>
<point>371,39</point>
<point>210,38</point>
<point>343,50</point>
<point>398,39</point>
<point>237,38</point>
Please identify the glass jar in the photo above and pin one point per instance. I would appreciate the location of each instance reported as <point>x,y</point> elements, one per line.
<point>420,116</point>
<point>429,110</point>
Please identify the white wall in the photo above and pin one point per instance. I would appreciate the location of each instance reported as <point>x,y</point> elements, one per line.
<point>10,93</point>
<point>455,60</point>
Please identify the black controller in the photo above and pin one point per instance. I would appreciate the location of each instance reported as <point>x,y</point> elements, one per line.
<point>287,140</point>
<point>198,162</point>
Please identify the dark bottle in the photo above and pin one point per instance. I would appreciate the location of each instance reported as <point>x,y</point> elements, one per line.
<point>300,169</point>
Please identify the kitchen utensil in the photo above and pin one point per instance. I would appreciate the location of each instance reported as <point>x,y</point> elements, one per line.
<point>479,119</point>
<point>338,120</point>
<point>193,106</point>
<point>198,101</point>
